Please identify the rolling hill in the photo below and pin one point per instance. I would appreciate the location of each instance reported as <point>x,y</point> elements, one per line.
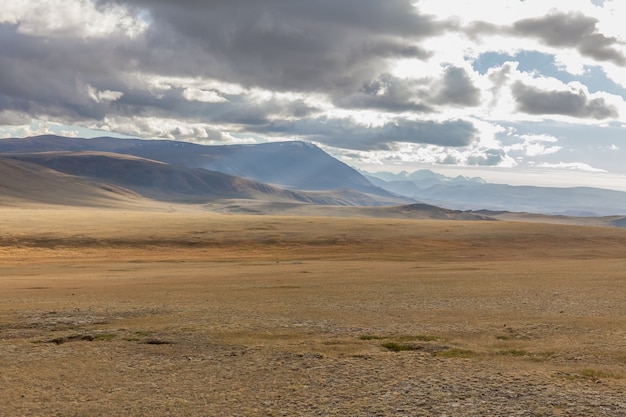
<point>294,165</point>
<point>22,183</point>
<point>166,182</point>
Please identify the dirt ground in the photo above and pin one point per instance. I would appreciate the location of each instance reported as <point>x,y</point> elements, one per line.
<point>112,312</point>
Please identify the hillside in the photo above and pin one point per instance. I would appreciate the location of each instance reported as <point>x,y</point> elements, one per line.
<point>165,182</point>
<point>22,182</point>
<point>295,165</point>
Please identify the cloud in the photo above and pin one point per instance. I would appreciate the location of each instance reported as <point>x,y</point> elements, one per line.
<point>344,133</point>
<point>573,166</point>
<point>205,96</point>
<point>572,30</point>
<point>389,93</point>
<point>368,76</point>
<point>535,145</point>
<point>103,96</point>
<point>315,46</point>
<point>70,18</point>
<point>533,100</point>
<point>490,157</point>
<point>456,88</point>
<point>53,71</point>
<point>69,79</point>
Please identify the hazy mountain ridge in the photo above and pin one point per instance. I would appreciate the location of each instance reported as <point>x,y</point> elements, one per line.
<point>168,171</point>
<point>22,182</point>
<point>165,182</point>
<point>423,178</point>
<point>465,193</point>
<point>296,165</point>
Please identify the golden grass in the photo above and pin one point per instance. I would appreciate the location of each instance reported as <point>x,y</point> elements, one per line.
<point>165,304</point>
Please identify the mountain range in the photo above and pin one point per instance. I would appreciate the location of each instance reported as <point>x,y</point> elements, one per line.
<point>464,193</point>
<point>191,173</point>
<point>297,165</point>
<point>101,171</point>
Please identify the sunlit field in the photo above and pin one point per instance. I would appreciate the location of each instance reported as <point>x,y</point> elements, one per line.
<point>113,312</point>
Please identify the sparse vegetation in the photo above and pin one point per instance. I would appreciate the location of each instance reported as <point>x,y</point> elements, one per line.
<point>542,356</point>
<point>221,328</point>
<point>401,338</point>
<point>105,337</point>
<point>595,374</point>
<point>372,337</point>
<point>514,352</point>
<point>421,338</point>
<point>397,347</point>
<point>455,353</point>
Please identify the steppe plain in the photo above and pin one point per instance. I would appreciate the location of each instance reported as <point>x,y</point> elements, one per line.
<point>175,311</point>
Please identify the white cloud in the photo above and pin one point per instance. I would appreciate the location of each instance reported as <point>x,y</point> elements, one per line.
<point>103,96</point>
<point>412,154</point>
<point>534,145</point>
<point>574,166</point>
<point>37,128</point>
<point>503,12</point>
<point>70,18</point>
<point>539,138</point>
<point>195,94</point>
<point>611,17</point>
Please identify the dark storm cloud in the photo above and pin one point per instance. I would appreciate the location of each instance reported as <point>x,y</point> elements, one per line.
<point>561,30</point>
<point>330,47</point>
<point>290,45</point>
<point>572,30</point>
<point>390,93</point>
<point>57,78</point>
<point>62,78</point>
<point>457,89</point>
<point>346,134</point>
<point>569,30</point>
<point>233,110</point>
<point>533,100</point>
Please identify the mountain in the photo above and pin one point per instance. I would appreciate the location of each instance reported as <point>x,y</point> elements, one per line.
<point>22,182</point>
<point>423,178</point>
<point>295,165</point>
<point>283,172</point>
<point>465,193</point>
<point>575,201</point>
<point>166,182</point>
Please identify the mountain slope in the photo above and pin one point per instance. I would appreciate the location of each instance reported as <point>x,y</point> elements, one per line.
<point>22,182</point>
<point>296,165</point>
<point>165,182</point>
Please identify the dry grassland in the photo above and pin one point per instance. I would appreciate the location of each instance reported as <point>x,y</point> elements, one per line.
<point>110,312</point>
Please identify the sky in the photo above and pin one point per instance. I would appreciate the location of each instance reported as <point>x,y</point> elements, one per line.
<point>515,91</point>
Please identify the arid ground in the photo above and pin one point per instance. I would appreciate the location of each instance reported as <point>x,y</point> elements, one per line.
<point>189,313</point>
